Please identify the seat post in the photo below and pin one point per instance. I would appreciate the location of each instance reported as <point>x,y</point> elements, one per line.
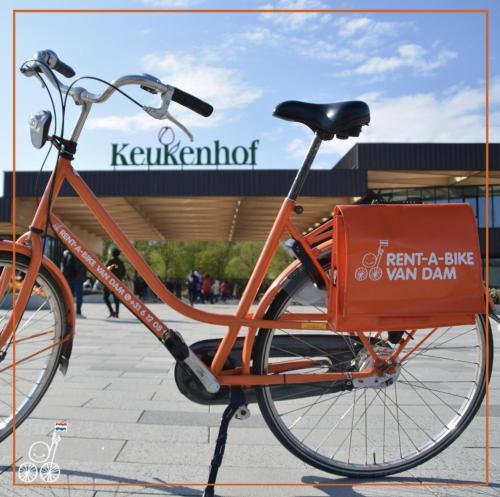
<point>301,177</point>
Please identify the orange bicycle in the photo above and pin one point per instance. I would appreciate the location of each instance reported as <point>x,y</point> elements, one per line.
<point>362,377</point>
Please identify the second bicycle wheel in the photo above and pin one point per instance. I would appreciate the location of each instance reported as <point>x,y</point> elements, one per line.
<point>38,341</point>
<point>370,430</point>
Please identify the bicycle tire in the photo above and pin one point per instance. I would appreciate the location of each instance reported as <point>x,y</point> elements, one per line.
<point>268,408</point>
<point>25,406</point>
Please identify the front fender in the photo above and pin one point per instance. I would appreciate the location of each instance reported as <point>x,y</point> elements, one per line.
<point>60,280</point>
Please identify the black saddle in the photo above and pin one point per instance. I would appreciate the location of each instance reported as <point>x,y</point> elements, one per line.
<point>343,119</point>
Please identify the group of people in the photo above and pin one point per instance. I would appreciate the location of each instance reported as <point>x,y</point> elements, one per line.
<point>200,288</point>
<point>204,289</point>
<point>76,274</point>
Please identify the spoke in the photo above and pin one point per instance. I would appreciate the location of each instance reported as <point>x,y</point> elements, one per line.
<point>448,359</point>
<point>452,338</point>
<point>438,337</point>
<point>383,431</point>
<point>410,383</point>
<point>410,418</point>
<point>295,337</point>
<point>28,359</point>
<point>336,424</point>
<point>429,346</point>
<point>28,321</point>
<point>307,410</point>
<point>352,426</point>
<point>397,414</point>
<point>399,426</point>
<point>433,393</point>
<point>346,339</point>
<point>11,385</point>
<point>320,419</point>
<point>428,406</point>
<point>366,431</point>
<point>355,425</point>
<point>303,407</point>
<point>36,335</point>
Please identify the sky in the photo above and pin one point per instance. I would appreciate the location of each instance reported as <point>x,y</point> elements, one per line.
<point>421,74</point>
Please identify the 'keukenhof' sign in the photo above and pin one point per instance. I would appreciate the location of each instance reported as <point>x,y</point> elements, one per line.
<point>125,154</point>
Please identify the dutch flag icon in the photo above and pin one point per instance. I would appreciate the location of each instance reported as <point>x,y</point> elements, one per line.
<point>61,426</point>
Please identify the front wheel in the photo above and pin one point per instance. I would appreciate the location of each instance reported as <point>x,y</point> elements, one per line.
<point>38,344</point>
<point>371,430</point>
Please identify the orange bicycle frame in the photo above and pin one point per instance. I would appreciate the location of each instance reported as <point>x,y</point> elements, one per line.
<point>313,244</point>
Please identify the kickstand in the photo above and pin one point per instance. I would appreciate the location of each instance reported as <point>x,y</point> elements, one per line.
<point>237,399</point>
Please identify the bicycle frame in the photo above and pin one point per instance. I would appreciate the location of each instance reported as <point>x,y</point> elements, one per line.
<point>242,376</point>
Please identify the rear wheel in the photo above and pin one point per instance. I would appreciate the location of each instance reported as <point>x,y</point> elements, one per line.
<point>37,341</point>
<point>371,430</point>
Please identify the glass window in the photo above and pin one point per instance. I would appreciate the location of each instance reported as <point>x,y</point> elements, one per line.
<point>428,195</point>
<point>494,273</point>
<point>470,196</point>
<point>456,194</point>
<point>441,195</point>
<point>400,195</point>
<point>481,211</point>
<point>495,192</point>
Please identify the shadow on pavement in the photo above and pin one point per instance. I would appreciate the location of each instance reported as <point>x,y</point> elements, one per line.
<point>349,486</point>
<point>352,488</point>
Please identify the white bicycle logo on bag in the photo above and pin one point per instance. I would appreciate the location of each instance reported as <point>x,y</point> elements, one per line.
<point>370,267</point>
<point>43,454</point>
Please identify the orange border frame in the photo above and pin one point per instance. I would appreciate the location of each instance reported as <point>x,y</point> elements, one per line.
<point>485,12</point>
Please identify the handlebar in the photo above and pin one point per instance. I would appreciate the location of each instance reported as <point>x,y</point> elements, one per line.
<point>50,58</point>
<point>46,60</point>
<point>192,102</point>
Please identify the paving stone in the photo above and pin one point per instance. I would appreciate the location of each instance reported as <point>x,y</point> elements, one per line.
<point>136,427</point>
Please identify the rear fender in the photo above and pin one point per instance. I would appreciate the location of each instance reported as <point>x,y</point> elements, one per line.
<point>62,284</point>
<point>285,281</point>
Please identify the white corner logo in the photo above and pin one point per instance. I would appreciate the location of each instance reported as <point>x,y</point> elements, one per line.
<point>43,454</point>
<point>370,267</point>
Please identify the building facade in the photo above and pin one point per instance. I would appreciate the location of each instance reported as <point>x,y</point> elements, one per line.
<point>241,204</point>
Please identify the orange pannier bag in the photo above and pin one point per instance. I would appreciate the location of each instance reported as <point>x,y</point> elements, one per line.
<point>400,267</point>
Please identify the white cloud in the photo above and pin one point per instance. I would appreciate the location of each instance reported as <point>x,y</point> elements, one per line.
<point>142,122</point>
<point>325,50</point>
<point>297,20</point>
<point>365,32</point>
<point>261,36</point>
<point>410,55</point>
<point>349,27</point>
<point>451,117</point>
<point>222,87</point>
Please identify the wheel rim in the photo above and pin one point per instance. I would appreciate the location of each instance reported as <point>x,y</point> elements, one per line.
<point>38,337</point>
<point>369,431</point>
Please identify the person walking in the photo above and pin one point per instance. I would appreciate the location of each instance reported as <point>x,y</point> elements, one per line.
<point>116,266</point>
<point>76,273</point>
<point>206,289</point>
<point>216,290</point>
<point>191,287</point>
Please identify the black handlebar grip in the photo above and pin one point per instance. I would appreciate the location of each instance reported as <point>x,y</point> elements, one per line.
<point>192,102</point>
<point>64,69</point>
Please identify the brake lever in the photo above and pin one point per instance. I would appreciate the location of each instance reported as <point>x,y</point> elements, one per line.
<point>170,117</point>
<point>163,113</point>
<point>37,75</point>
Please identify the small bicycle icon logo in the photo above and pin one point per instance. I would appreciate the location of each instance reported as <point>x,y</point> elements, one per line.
<point>370,267</point>
<point>44,454</point>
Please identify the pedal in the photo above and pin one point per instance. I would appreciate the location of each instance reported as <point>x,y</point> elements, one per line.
<point>182,353</point>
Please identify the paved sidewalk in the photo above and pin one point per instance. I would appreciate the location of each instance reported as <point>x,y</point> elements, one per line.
<point>127,423</point>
